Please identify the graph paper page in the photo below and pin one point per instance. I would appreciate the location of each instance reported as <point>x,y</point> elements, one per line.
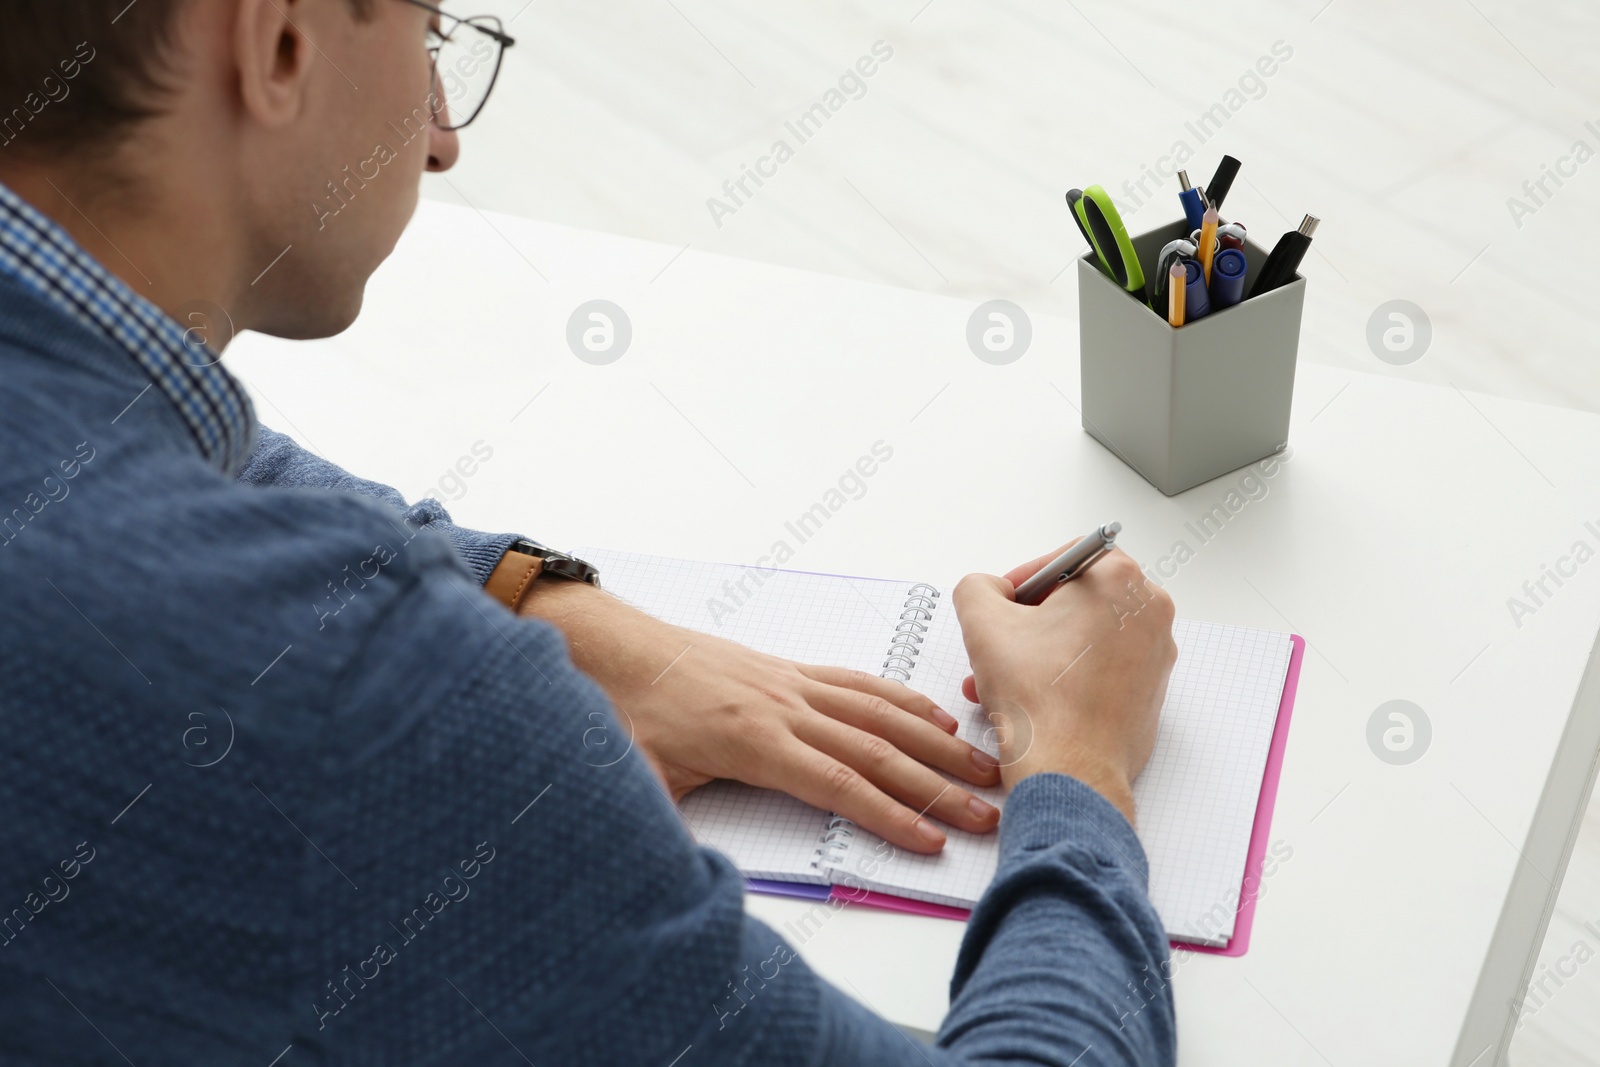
<point>1196,799</point>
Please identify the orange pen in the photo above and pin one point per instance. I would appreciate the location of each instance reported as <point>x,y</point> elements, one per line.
<point>1177,280</point>
<point>1208,241</point>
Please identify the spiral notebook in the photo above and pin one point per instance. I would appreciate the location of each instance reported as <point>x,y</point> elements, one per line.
<point>1204,800</point>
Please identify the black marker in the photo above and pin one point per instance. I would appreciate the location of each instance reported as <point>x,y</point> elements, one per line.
<point>1222,181</point>
<point>1285,258</point>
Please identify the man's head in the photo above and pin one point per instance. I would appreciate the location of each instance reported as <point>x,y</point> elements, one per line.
<point>262,155</point>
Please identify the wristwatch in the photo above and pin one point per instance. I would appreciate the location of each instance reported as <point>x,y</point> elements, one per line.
<point>525,561</point>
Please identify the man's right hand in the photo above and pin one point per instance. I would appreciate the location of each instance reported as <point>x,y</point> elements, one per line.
<point>1075,684</point>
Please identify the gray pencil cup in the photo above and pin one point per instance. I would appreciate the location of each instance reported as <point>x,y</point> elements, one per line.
<point>1185,405</point>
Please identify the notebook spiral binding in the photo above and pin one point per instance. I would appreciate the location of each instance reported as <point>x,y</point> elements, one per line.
<point>915,613</point>
<point>921,600</point>
<point>835,841</point>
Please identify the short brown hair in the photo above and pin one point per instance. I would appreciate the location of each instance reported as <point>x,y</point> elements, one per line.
<point>74,74</point>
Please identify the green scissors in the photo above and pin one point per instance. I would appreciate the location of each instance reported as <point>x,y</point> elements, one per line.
<point>1102,227</point>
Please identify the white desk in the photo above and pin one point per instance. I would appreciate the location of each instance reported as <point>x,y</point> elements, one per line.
<point>1391,540</point>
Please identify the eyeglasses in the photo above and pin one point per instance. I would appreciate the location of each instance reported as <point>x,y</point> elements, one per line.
<point>466,55</point>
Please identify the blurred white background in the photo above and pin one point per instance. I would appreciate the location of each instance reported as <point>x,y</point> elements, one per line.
<point>1409,128</point>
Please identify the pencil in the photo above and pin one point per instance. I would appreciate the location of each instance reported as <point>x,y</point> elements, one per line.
<point>1208,241</point>
<point>1177,279</point>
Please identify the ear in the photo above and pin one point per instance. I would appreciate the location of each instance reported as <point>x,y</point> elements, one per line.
<point>274,58</point>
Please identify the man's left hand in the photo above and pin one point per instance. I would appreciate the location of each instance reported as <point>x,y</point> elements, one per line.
<point>703,708</point>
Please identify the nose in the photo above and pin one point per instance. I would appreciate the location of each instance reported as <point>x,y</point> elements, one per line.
<point>444,148</point>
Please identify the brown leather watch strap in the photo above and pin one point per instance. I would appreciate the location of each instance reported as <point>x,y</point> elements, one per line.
<point>512,576</point>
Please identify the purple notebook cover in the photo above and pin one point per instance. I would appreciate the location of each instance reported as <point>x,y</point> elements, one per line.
<point>788,889</point>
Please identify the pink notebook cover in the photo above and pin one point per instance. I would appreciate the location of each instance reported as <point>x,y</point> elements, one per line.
<point>1245,917</point>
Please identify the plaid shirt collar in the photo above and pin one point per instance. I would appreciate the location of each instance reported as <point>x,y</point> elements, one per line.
<point>213,404</point>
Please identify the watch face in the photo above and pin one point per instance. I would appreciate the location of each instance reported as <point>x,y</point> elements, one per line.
<point>575,569</point>
<point>559,564</point>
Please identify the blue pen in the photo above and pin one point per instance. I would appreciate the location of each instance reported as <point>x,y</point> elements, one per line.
<point>1196,301</point>
<point>1194,205</point>
<point>1227,277</point>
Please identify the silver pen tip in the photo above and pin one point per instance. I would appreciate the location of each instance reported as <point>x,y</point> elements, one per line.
<point>1111,529</point>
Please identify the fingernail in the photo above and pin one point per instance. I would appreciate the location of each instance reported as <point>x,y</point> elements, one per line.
<point>983,761</point>
<point>927,830</point>
<point>979,809</point>
<point>944,718</point>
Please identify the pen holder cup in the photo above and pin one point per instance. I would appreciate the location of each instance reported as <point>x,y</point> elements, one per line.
<point>1188,404</point>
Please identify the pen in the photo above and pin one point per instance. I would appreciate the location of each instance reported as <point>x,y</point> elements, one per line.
<point>1071,563</point>
<point>1176,284</point>
<point>1227,278</point>
<point>1222,181</point>
<point>1197,299</point>
<point>1286,256</point>
<point>1229,235</point>
<point>1208,241</point>
<point>1194,204</point>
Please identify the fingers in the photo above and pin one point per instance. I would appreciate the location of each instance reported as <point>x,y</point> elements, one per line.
<point>915,737</point>
<point>827,783</point>
<point>980,597</point>
<point>1120,577</point>
<point>982,589</point>
<point>865,779</point>
<point>969,688</point>
<point>901,696</point>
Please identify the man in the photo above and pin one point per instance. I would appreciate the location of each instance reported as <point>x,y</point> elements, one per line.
<point>240,826</point>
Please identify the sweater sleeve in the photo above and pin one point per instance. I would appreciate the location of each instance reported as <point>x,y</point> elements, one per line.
<point>1064,955</point>
<point>593,930</point>
<point>279,460</point>
<point>1065,961</point>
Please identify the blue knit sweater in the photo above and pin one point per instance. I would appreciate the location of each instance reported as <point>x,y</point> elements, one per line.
<point>240,827</point>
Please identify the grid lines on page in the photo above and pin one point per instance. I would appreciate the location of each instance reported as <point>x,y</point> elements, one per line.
<point>1196,800</point>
